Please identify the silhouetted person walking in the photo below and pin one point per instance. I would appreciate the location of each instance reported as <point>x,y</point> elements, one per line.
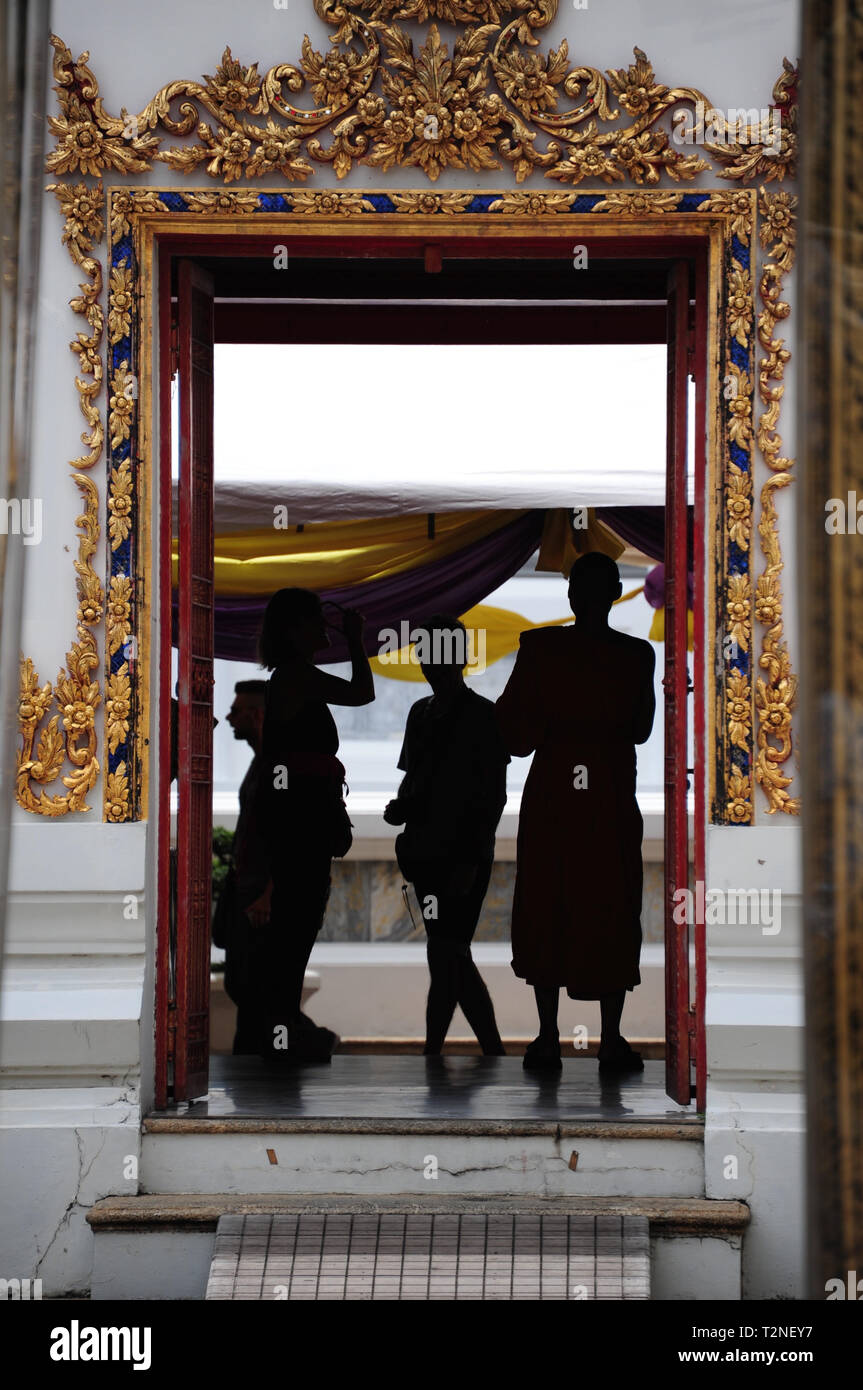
<point>450,801</point>
<point>580,698</point>
<point>300,812</point>
<point>247,877</point>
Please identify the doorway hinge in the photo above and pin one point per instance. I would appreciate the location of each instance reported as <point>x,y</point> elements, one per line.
<point>175,348</point>
<point>690,352</point>
<point>690,1023</point>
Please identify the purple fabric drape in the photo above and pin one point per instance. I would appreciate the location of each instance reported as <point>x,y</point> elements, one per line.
<point>654,587</point>
<point>642,527</point>
<point>453,585</point>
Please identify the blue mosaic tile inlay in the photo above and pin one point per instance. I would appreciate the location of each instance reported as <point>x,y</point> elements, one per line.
<point>740,457</point>
<point>273,202</point>
<point>739,355</point>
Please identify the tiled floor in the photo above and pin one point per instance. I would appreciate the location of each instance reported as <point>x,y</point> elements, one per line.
<point>349,1256</point>
<point>415,1088</point>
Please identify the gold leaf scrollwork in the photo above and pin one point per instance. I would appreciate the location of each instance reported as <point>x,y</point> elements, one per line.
<point>776,694</point>
<point>492,97</point>
<point>739,803</point>
<point>738,211</point>
<point>638,204</point>
<point>117,794</point>
<point>120,504</point>
<point>118,612</point>
<point>118,704</point>
<point>739,610</point>
<point>44,751</point>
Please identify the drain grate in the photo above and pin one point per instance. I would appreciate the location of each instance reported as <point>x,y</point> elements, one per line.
<point>430,1256</point>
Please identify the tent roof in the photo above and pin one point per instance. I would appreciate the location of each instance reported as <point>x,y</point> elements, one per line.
<point>344,431</point>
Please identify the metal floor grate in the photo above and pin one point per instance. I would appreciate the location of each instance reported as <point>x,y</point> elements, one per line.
<point>430,1256</point>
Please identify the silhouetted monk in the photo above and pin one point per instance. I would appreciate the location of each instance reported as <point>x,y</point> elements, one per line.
<point>582,698</point>
<point>247,876</point>
<point>300,811</point>
<point>450,801</point>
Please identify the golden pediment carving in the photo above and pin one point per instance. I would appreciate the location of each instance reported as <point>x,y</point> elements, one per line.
<point>491,99</point>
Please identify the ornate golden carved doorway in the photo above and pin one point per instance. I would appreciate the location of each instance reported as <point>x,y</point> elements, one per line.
<point>178,233</point>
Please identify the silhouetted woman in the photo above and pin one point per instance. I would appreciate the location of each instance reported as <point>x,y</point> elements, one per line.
<point>300,812</point>
<point>580,698</point>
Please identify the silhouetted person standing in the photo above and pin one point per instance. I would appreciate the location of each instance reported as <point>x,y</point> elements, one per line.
<point>247,877</point>
<point>580,698</point>
<point>300,811</point>
<point>450,801</point>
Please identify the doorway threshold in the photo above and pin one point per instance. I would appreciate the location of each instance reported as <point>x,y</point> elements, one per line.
<point>468,1095</point>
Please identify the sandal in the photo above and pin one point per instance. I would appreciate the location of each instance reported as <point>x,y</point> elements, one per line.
<point>619,1057</point>
<point>314,1044</point>
<point>540,1055</point>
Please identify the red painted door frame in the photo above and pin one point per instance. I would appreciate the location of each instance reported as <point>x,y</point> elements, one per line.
<point>170,1030</point>
<point>676,685</point>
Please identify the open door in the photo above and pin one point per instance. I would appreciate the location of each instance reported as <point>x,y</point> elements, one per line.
<point>195,721</point>
<point>679,1020</point>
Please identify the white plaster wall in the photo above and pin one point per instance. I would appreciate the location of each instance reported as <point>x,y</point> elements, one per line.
<point>754,1131</point>
<point>78,988</point>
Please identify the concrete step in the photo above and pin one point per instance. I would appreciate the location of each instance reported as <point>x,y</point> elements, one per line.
<point>459,1157</point>
<point>162,1246</point>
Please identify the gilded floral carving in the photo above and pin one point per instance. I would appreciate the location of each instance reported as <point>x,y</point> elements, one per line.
<point>120,500</point>
<point>776,693</point>
<point>117,707</point>
<point>739,309</point>
<point>739,803</point>
<point>121,403</point>
<point>491,98</point>
<point>638,204</point>
<point>117,794</point>
<point>118,612</point>
<point>44,751</point>
<point>739,611</point>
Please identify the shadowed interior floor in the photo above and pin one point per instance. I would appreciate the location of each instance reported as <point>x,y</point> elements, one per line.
<point>404,1089</point>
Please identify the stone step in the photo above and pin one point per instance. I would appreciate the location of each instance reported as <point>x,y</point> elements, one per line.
<point>453,1157</point>
<point>162,1246</point>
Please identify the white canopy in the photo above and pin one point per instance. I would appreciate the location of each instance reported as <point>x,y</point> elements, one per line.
<point>342,431</point>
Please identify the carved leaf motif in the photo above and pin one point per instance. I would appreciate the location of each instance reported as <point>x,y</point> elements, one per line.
<point>50,753</point>
<point>117,794</point>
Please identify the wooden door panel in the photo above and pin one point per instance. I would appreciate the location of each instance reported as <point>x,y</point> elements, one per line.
<point>195,642</point>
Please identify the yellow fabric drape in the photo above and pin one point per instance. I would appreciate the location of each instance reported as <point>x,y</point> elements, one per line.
<point>497,628</point>
<point>657,628</point>
<point>341,553</point>
<point>561,544</point>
